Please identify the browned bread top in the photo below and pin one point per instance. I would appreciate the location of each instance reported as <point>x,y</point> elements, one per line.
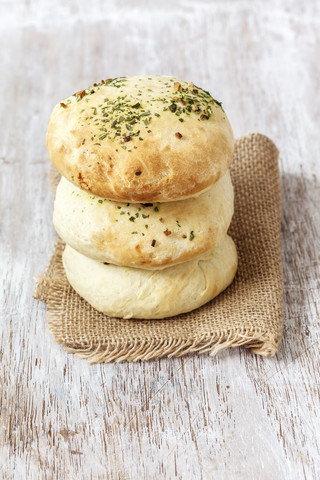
<point>141,139</point>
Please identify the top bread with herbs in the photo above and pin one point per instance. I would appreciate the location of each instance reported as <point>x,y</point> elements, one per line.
<point>141,139</point>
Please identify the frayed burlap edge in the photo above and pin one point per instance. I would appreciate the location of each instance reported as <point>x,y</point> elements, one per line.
<point>149,349</point>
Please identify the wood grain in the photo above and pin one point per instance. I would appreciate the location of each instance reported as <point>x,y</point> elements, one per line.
<point>235,416</point>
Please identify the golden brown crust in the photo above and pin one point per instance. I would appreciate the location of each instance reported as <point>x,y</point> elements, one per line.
<point>95,141</point>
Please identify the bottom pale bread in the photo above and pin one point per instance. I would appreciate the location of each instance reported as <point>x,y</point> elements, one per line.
<point>128,292</point>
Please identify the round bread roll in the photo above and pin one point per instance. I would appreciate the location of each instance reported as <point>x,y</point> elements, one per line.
<point>135,293</point>
<point>141,139</point>
<point>136,235</point>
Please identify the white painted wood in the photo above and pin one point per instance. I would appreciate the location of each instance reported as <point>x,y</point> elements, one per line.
<point>236,416</point>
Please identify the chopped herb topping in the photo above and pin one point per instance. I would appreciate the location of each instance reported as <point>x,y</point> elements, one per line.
<point>191,236</point>
<point>121,116</point>
<point>80,94</point>
<point>153,243</point>
<point>218,103</point>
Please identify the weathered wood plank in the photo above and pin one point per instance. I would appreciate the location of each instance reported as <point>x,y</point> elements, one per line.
<point>236,416</point>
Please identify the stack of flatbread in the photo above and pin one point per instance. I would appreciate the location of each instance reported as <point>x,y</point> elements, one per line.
<point>145,199</point>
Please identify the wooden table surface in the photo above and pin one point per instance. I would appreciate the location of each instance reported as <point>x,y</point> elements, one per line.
<point>233,416</point>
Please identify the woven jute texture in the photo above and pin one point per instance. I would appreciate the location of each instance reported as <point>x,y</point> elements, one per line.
<point>248,313</point>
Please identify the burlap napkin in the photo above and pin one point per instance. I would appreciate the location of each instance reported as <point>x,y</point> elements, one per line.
<point>248,313</point>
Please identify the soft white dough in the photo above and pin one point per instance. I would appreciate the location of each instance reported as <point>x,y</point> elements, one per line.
<point>137,293</point>
<point>123,234</point>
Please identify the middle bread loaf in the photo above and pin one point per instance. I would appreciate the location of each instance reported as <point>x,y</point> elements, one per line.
<point>149,236</point>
